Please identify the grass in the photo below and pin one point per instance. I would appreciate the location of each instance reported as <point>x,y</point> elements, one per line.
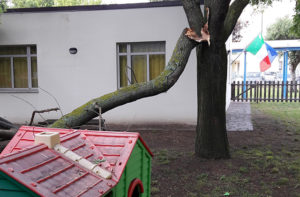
<point>285,113</point>
<point>165,156</point>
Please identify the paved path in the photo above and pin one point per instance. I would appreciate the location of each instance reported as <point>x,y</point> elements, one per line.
<point>238,117</point>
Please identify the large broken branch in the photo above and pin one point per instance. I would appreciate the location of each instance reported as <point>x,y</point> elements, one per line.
<point>7,134</point>
<point>204,32</point>
<point>234,12</point>
<point>5,124</point>
<point>133,92</point>
<point>3,145</point>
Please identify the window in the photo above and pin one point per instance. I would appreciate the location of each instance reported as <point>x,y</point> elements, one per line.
<point>18,68</point>
<point>139,62</point>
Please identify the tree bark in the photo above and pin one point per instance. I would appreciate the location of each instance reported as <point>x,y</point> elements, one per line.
<point>133,92</point>
<point>3,144</point>
<point>211,136</point>
<point>5,124</point>
<point>234,12</point>
<point>7,134</point>
<point>294,61</point>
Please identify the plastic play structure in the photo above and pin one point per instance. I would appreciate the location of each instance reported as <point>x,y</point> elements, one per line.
<point>66,162</point>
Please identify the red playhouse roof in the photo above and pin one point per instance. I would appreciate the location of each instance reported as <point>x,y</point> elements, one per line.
<point>50,173</point>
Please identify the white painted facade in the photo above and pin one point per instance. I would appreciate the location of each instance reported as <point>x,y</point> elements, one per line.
<point>92,72</point>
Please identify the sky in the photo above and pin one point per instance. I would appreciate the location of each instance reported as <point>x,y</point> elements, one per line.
<point>253,16</point>
<point>278,10</point>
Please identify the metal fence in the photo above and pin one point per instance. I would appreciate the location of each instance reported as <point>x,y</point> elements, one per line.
<point>265,91</point>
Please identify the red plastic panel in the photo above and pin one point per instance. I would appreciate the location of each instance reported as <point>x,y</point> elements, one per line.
<point>110,149</point>
<point>24,138</point>
<point>49,173</point>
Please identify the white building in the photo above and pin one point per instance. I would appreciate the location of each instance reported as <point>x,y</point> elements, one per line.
<point>36,44</point>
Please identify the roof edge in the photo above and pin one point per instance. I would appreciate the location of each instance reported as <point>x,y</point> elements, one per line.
<point>97,7</point>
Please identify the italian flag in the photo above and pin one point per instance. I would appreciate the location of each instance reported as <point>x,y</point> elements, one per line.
<point>264,52</point>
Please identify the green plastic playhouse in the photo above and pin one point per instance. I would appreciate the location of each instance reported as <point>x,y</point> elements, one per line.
<point>84,163</point>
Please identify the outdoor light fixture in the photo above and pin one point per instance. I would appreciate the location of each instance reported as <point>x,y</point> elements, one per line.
<point>73,50</point>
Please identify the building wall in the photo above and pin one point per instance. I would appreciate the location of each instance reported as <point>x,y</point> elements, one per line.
<point>92,72</point>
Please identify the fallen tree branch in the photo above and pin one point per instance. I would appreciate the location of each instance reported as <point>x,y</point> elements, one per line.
<point>133,92</point>
<point>3,144</point>
<point>5,124</point>
<point>7,134</point>
<point>41,111</point>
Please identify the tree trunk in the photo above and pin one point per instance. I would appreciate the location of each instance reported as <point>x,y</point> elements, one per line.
<point>211,136</point>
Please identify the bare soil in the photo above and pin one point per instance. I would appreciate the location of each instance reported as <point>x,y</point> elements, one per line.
<point>264,162</point>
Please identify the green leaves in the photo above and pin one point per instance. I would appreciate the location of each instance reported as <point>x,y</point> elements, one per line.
<point>281,30</point>
<point>32,3</point>
<point>76,2</point>
<point>51,3</point>
<point>296,20</point>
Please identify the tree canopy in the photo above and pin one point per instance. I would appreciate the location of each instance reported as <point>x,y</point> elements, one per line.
<point>283,29</point>
<point>236,33</point>
<point>296,20</point>
<point>32,3</point>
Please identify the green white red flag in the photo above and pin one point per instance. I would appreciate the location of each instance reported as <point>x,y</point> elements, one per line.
<point>264,52</point>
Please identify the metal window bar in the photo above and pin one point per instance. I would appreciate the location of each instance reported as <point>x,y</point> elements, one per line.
<point>29,67</point>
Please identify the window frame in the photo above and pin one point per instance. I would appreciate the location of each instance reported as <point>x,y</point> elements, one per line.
<point>128,55</point>
<point>28,55</point>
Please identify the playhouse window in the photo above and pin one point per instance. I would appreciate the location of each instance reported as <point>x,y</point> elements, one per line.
<point>139,62</point>
<point>18,69</point>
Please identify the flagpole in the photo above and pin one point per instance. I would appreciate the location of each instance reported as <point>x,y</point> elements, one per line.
<point>245,63</point>
<point>237,56</point>
<point>245,73</point>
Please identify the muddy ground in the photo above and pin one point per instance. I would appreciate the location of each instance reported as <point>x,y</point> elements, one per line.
<point>264,162</point>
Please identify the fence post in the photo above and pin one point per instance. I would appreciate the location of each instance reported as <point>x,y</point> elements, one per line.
<point>243,91</point>
<point>273,91</point>
<point>238,91</point>
<point>233,91</point>
<point>265,91</point>
<point>287,91</point>
<point>296,90</point>
<point>291,91</point>
<point>269,92</point>
<point>282,90</point>
<point>277,91</point>
<point>260,91</point>
<point>256,92</point>
<point>251,87</point>
<point>245,73</point>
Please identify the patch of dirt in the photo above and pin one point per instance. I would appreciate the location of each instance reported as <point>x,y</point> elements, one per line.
<point>264,162</point>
